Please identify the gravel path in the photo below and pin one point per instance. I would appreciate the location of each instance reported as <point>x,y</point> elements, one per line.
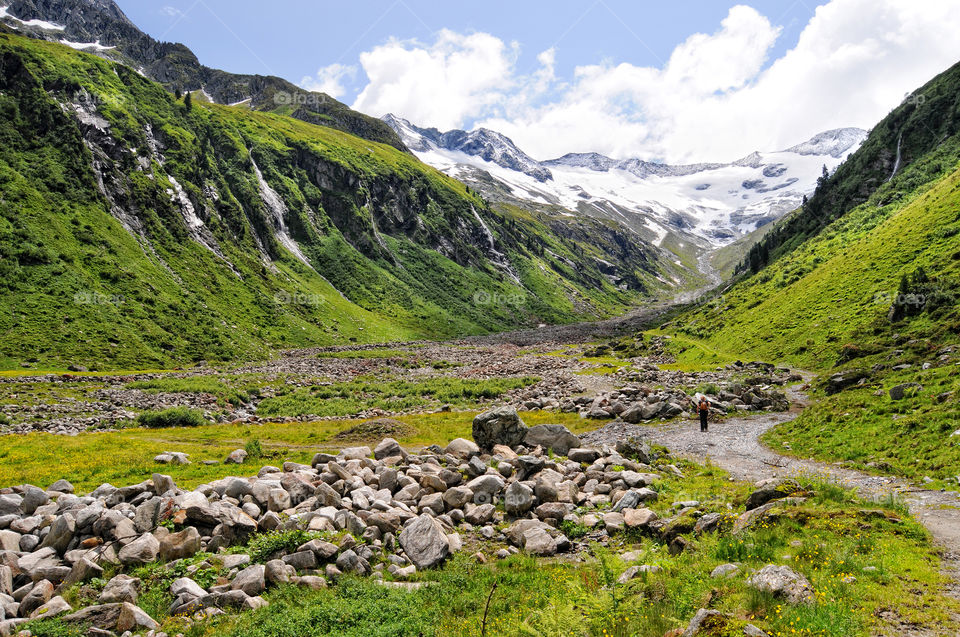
<point>734,445</point>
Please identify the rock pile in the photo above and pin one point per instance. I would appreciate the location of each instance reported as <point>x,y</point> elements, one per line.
<point>372,510</point>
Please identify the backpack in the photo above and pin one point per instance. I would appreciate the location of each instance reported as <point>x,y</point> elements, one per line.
<point>704,405</point>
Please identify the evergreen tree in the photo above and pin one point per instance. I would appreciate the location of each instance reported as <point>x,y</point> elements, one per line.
<point>188,101</point>
<point>178,93</point>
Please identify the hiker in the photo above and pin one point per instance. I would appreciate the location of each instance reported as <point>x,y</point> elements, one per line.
<point>704,410</point>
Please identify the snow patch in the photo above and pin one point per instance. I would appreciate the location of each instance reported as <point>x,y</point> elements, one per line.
<point>36,24</point>
<point>81,46</point>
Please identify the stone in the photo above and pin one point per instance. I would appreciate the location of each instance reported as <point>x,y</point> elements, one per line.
<point>499,426</point>
<point>537,541</point>
<point>54,608</point>
<point>518,499</point>
<point>705,621</point>
<point>479,514</point>
<point>313,582</point>
<point>424,542</point>
<point>120,588</point>
<point>635,448</point>
<point>556,438</point>
<point>356,453</point>
<point>33,498</point>
<point>638,518</point>
<point>388,448</point>
<point>782,581</point>
<point>83,570</point>
<point>143,550</point>
<point>251,580</point>
<point>60,534</point>
<point>485,488</point>
<point>327,496</point>
<point>114,617</point>
<point>725,570</point>
<point>462,448</point>
<point>899,392</point>
<point>279,572</point>
<point>752,631</point>
<point>253,603</point>
<point>457,497</point>
<point>179,545</point>
<point>40,594</point>
<point>774,491</point>
<point>162,484</point>
<point>583,454</point>
<point>634,497</point>
<point>188,587</point>
<point>237,456</point>
<point>301,560</point>
<point>61,486</point>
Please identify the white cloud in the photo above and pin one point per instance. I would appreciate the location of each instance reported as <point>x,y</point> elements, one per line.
<point>443,84</point>
<point>329,80</point>
<point>716,98</point>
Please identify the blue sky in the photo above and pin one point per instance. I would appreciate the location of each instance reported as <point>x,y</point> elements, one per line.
<point>294,39</point>
<point>679,82</point>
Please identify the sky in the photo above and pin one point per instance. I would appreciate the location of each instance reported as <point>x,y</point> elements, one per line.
<point>701,80</point>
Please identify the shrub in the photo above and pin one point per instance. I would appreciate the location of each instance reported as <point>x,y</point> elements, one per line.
<point>254,449</point>
<point>173,417</point>
<point>267,546</point>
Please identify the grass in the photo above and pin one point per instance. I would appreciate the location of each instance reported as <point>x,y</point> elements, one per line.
<point>351,397</point>
<point>126,456</point>
<point>910,437</point>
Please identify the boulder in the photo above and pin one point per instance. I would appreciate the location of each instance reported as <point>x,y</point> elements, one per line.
<point>121,588</point>
<point>462,448</point>
<point>784,582</point>
<point>537,541</point>
<point>60,534</point>
<point>500,426</point>
<point>773,491</point>
<point>706,622</point>
<point>899,392</point>
<point>638,518</point>
<point>175,546</point>
<point>635,448</point>
<point>237,456</point>
<point>556,438</point>
<point>143,550</point>
<point>116,618</point>
<point>583,454</point>
<point>251,580</point>
<point>518,499</point>
<point>54,608</point>
<point>40,594</point>
<point>424,542</point>
<point>388,448</point>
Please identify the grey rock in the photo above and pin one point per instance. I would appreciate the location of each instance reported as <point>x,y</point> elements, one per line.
<point>424,542</point>
<point>518,499</point>
<point>557,438</point>
<point>121,588</point>
<point>784,582</point>
<point>462,448</point>
<point>501,425</point>
<point>54,608</point>
<point>179,545</point>
<point>143,550</point>
<point>251,580</point>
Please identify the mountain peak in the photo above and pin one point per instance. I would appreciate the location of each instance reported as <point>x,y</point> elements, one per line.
<point>484,143</point>
<point>835,142</point>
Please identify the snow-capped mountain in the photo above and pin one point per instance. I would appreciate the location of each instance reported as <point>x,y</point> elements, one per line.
<point>488,145</point>
<point>709,203</point>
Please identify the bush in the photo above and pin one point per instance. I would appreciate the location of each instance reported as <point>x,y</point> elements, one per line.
<point>174,417</point>
<point>254,449</point>
<point>267,546</point>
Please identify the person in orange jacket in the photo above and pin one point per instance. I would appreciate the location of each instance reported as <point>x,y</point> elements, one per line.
<point>704,410</point>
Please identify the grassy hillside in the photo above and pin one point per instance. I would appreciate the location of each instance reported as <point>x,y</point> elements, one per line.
<point>874,295</point>
<point>137,232</point>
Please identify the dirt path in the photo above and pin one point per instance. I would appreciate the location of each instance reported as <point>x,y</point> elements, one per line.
<point>734,445</point>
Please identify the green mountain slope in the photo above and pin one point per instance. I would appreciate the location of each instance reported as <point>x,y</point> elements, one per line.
<point>136,232</point>
<point>871,301</point>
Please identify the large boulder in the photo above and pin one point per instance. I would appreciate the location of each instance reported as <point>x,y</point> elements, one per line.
<point>500,426</point>
<point>776,490</point>
<point>121,588</point>
<point>784,582</point>
<point>556,438</point>
<point>636,448</point>
<point>424,542</point>
<point>143,550</point>
<point>251,580</point>
<point>518,499</point>
<point>175,546</point>
<point>116,618</point>
<point>897,392</point>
